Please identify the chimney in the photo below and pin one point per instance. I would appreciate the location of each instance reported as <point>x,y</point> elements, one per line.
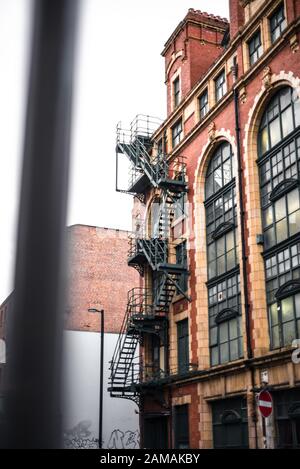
<point>237,17</point>
<point>190,51</point>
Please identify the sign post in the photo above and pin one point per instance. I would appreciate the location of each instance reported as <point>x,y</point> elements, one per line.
<point>265,405</point>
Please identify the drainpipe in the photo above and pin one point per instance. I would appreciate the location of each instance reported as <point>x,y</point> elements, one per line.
<point>243,236</point>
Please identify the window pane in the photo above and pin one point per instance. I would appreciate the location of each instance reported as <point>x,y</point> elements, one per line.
<point>214,356</point>
<point>273,314</point>
<point>209,186</point>
<point>223,328</point>
<point>294,223</point>
<point>221,246</point>
<point>281,230</point>
<point>224,352</point>
<point>221,265</point>
<point>275,337</point>
<point>293,200</point>
<point>285,97</point>
<point>212,270</point>
<point>264,141</point>
<point>233,328</point>
<point>230,241</point>
<point>275,134</point>
<point>280,209</point>
<point>287,121</point>
<point>297,111</point>
<point>227,171</point>
<point>214,336</point>
<point>287,309</point>
<point>231,259</point>
<point>297,305</point>
<point>217,179</point>
<point>268,216</point>
<point>269,238</point>
<point>234,349</point>
<point>289,333</point>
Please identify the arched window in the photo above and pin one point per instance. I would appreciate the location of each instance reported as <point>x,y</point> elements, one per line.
<point>280,119</point>
<point>279,168</point>
<point>223,270</point>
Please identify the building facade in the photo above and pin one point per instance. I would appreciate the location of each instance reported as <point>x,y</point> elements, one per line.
<point>217,242</point>
<point>98,278</point>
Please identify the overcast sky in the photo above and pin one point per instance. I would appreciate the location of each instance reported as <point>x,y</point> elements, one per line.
<point>120,73</point>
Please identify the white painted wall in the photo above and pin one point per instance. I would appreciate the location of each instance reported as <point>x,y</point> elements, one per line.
<point>81,396</point>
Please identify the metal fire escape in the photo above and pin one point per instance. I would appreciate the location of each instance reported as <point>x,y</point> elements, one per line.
<point>147,309</point>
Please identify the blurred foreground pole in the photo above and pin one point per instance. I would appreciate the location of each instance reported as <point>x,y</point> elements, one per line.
<point>35,326</point>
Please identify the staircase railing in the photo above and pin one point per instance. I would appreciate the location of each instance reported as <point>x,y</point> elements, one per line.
<point>139,305</point>
<point>137,145</point>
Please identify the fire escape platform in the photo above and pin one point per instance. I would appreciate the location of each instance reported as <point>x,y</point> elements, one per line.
<point>140,185</point>
<point>171,268</point>
<point>173,185</point>
<point>155,316</point>
<point>137,258</point>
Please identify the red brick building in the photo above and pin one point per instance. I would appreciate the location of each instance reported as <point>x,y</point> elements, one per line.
<point>219,251</point>
<point>98,277</point>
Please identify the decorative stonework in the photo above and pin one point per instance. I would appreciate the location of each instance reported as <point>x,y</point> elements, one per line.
<point>243,95</point>
<point>253,207</point>
<point>294,43</point>
<point>199,237</point>
<point>212,131</point>
<point>267,75</point>
<point>281,79</point>
<point>174,57</point>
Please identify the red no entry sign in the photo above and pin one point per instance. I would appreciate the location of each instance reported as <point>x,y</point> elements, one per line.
<point>265,403</point>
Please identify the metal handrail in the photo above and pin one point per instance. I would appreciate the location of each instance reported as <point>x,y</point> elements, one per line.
<point>156,167</point>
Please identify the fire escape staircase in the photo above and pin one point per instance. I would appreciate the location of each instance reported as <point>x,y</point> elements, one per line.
<point>147,312</point>
<point>140,317</point>
<point>146,168</point>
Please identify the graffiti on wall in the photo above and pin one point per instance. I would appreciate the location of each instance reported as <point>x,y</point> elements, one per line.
<point>80,437</point>
<point>124,440</point>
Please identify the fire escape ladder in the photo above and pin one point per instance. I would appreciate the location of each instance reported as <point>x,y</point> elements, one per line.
<point>123,365</point>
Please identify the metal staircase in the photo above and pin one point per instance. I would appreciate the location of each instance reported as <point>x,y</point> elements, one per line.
<point>147,309</point>
<point>140,317</point>
<point>147,168</point>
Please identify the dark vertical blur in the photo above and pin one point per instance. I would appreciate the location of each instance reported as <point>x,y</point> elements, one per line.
<point>35,325</point>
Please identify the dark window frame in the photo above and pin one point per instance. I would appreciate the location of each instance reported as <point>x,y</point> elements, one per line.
<point>181,427</point>
<point>277,22</point>
<point>282,267</point>
<point>279,171</point>
<point>275,112</point>
<point>255,47</point>
<point>183,340</point>
<point>177,130</point>
<point>220,85</point>
<point>181,259</point>
<point>228,415</point>
<point>221,225</point>
<point>176,92</point>
<point>286,404</point>
<point>203,104</point>
<point>225,320</point>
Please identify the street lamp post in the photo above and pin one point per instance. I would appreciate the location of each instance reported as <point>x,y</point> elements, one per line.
<point>101,312</point>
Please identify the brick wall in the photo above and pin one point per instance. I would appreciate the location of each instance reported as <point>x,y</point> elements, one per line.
<point>98,277</point>
<point>191,50</point>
